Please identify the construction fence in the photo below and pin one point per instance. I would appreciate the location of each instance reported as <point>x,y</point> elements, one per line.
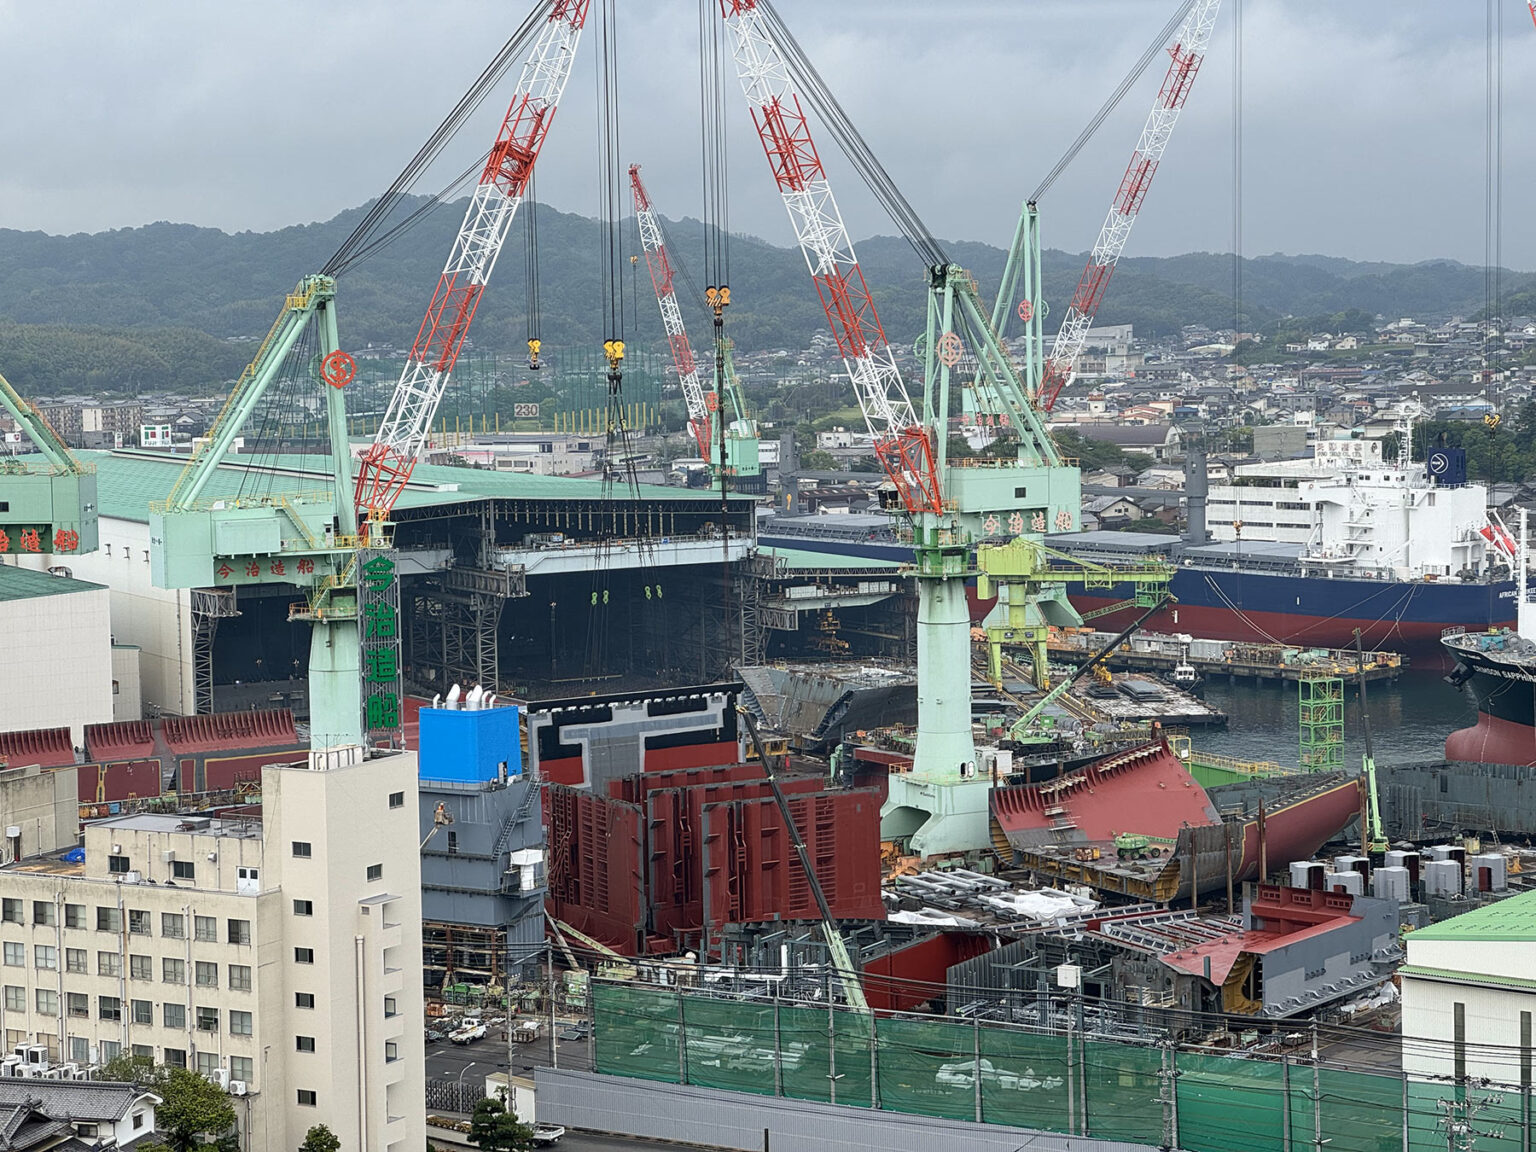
<point>1153,1094</point>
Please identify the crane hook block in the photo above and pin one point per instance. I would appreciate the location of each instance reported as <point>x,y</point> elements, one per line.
<point>533,354</point>
<point>338,369</point>
<point>614,350</point>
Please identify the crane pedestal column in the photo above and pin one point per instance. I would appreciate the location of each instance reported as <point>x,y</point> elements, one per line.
<point>941,804</point>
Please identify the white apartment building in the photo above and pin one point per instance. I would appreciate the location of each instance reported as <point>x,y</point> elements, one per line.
<point>275,950</point>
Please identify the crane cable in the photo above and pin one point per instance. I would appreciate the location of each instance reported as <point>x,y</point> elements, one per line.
<point>854,146</point>
<point>346,255</point>
<point>531,270</point>
<point>1137,70</point>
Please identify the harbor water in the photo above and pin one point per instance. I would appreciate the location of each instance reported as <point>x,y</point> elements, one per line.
<point>1409,719</point>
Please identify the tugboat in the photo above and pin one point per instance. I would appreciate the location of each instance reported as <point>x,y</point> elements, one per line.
<point>1185,676</point>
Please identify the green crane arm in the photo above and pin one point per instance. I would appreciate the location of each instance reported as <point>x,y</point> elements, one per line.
<point>1374,835</point>
<point>36,426</point>
<point>836,945</point>
<point>312,295</point>
<point>1022,724</point>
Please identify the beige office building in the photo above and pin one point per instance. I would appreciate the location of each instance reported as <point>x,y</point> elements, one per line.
<point>275,950</point>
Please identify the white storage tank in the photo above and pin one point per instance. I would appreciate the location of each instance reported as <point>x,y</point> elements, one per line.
<point>1391,884</point>
<point>1350,882</point>
<point>1442,878</point>
<point>1307,874</point>
<point>1489,872</point>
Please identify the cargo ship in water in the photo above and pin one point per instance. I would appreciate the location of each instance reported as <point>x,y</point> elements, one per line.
<point>1297,552</point>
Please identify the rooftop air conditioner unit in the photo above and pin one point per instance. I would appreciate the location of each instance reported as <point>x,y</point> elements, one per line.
<point>167,856</point>
<point>237,1087</point>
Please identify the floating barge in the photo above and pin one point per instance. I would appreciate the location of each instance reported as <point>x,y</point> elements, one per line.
<point>1234,659</point>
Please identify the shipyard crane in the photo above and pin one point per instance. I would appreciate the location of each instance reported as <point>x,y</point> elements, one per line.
<point>1186,54</point>
<point>740,433</point>
<point>386,467</point>
<point>903,445</point>
<point>48,507</point>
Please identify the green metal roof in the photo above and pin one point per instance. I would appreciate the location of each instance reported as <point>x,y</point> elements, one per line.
<point>1478,979</point>
<point>802,558</point>
<point>128,482</point>
<point>1505,921</point>
<point>26,584</point>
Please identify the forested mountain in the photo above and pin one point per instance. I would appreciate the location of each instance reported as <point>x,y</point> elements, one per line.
<point>163,306</point>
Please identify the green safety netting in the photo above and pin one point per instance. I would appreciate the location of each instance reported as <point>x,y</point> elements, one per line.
<point>1123,1097</point>
<point>729,1045</point>
<point>1028,1085</point>
<point>929,1067</point>
<point>1050,1082</point>
<point>635,1031</point>
<point>1231,1105</point>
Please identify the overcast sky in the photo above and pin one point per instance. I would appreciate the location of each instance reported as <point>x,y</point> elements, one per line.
<point>1363,119</point>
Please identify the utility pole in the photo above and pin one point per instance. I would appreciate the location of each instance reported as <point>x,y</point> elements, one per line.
<point>1458,1119</point>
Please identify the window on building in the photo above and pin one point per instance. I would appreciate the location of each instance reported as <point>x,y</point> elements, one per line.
<point>207,1064</point>
<point>207,1019</point>
<point>138,922</point>
<point>173,925</point>
<point>241,1068</point>
<point>109,1008</point>
<point>138,1117</point>
<point>77,1003</point>
<point>109,964</point>
<point>302,850</point>
<point>15,998</point>
<point>173,971</point>
<point>375,871</point>
<point>174,1015</point>
<point>141,968</point>
<point>206,929</point>
<point>108,919</point>
<point>391,1052</point>
<point>74,960</point>
<point>10,910</point>
<point>303,955</point>
<point>15,954</point>
<point>143,1011</point>
<point>303,907</point>
<point>303,999</point>
<point>397,799</point>
<point>47,1002</point>
<point>110,1051</point>
<point>453,843</point>
<point>174,1057</point>
<point>206,974</point>
<point>117,864</point>
<point>239,1023</point>
<point>147,1051</point>
<point>183,870</point>
<point>87,1131</point>
<point>239,977</point>
<point>304,1043</point>
<point>391,1007</point>
<point>239,931</point>
<point>46,957</point>
<point>306,1098</point>
<point>45,912</point>
<point>74,915</point>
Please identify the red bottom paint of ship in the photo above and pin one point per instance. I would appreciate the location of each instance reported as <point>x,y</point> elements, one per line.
<point>1493,740</point>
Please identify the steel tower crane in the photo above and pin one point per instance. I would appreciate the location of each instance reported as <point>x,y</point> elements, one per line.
<point>740,432</point>
<point>386,467</point>
<point>48,507</point>
<point>903,444</point>
<point>1186,54</point>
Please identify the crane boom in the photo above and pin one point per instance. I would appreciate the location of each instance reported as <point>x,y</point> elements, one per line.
<point>904,446</point>
<point>660,263</point>
<point>1186,54</point>
<point>386,466</point>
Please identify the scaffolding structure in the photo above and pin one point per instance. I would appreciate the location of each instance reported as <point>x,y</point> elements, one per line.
<point>1321,697</point>
<point>209,606</point>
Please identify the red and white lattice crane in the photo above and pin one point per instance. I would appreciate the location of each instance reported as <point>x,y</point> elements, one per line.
<point>656,259</point>
<point>1187,52</point>
<point>903,445</point>
<point>386,467</point>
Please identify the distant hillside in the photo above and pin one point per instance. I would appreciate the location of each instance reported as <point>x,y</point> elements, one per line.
<point>155,307</point>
